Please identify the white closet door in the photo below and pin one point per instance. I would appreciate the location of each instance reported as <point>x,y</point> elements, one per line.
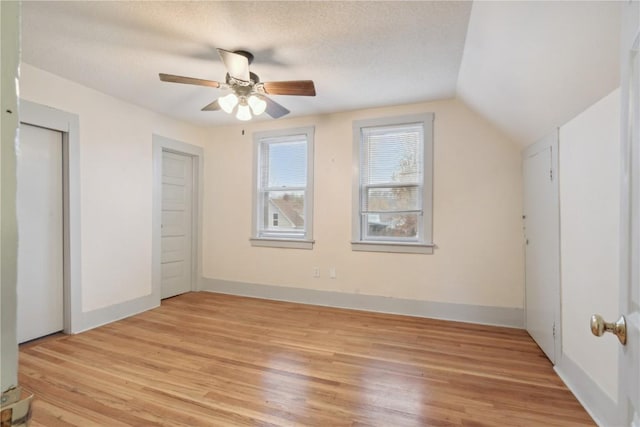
<point>542,254</point>
<point>40,233</point>
<point>629,367</point>
<point>177,218</point>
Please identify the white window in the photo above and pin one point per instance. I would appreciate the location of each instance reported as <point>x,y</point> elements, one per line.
<point>392,184</point>
<point>283,188</point>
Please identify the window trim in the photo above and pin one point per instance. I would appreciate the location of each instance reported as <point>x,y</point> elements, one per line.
<point>306,242</point>
<point>423,246</point>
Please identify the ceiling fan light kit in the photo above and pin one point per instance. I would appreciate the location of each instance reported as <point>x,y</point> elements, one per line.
<point>244,113</point>
<point>228,102</point>
<point>258,106</point>
<point>248,95</point>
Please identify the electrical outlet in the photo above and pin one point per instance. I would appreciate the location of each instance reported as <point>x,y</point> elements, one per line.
<point>332,273</point>
<point>316,271</point>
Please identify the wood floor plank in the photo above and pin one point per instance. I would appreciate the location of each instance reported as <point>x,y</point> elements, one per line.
<point>205,359</point>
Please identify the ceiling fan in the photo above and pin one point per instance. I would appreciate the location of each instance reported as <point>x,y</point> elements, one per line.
<point>248,93</point>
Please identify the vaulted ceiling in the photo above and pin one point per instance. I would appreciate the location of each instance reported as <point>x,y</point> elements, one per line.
<point>525,66</point>
<point>531,66</point>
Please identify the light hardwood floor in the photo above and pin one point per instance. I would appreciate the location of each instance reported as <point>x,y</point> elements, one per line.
<point>204,359</point>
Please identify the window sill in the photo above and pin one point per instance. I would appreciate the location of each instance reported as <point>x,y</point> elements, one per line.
<point>408,248</point>
<point>282,243</point>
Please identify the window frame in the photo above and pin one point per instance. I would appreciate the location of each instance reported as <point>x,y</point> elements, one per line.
<point>424,243</point>
<point>258,237</point>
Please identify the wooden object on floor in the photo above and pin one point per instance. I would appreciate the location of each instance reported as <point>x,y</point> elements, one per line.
<point>205,359</point>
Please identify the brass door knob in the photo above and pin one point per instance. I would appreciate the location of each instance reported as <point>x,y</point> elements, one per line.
<point>619,328</point>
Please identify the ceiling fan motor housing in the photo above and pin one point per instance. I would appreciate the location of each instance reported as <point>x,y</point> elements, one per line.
<point>240,87</point>
<point>246,54</point>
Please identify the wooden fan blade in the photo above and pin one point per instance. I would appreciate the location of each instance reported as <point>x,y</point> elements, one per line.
<point>237,65</point>
<point>274,109</point>
<point>188,80</point>
<point>295,87</point>
<point>214,106</point>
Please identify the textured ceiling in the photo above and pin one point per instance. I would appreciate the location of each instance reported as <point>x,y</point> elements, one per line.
<point>359,54</point>
<point>526,66</point>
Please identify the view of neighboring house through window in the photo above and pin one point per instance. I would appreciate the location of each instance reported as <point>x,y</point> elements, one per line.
<point>283,201</point>
<point>393,187</point>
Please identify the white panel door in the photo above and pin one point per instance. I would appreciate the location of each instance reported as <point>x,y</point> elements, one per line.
<point>629,366</point>
<point>177,227</point>
<point>39,202</point>
<point>542,253</point>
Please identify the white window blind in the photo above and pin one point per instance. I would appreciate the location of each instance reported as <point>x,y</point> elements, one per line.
<point>394,180</point>
<point>391,182</point>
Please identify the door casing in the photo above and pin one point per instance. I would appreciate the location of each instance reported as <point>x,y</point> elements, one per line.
<point>67,123</point>
<point>163,144</point>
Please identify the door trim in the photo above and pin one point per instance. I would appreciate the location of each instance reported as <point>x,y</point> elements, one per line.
<point>163,144</point>
<point>550,141</point>
<point>68,124</point>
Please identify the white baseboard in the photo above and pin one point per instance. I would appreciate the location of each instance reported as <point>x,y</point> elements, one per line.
<point>102,316</point>
<point>595,401</point>
<point>486,315</point>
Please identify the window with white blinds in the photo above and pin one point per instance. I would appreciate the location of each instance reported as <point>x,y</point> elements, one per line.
<point>283,188</point>
<point>393,185</point>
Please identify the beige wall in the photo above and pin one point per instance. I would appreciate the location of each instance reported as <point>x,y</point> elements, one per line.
<point>116,183</point>
<point>590,219</point>
<point>477,215</point>
<point>477,197</point>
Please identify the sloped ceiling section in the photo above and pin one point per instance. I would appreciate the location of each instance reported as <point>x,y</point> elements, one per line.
<point>529,67</point>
